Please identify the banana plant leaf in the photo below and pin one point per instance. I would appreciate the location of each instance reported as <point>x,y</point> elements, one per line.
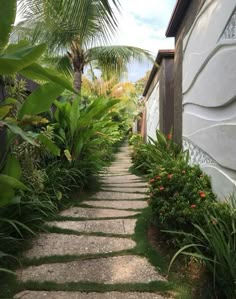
<point>40,100</point>
<point>16,57</point>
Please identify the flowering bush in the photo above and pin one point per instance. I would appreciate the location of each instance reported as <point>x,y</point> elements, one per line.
<point>179,196</point>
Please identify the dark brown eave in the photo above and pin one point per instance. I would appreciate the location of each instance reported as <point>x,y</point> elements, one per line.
<point>161,55</point>
<point>177,17</point>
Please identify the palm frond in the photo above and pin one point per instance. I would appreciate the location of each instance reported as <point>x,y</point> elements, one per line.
<point>114,59</point>
<point>62,22</point>
<point>61,63</point>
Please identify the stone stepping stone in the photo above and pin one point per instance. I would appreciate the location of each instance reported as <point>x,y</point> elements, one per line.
<point>110,270</point>
<point>117,204</point>
<point>120,179</point>
<point>122,160</point>
<point>122,163</point>
<point>117,168</point>
<point>80,295</point>
<point>113,174</point>
<point>126,177</point>
<point>125,185</point>
<point>94,213</point>
<point>62,244</point>
<point>126,189</point>
<point>118,195</point>
<point>114,226</point>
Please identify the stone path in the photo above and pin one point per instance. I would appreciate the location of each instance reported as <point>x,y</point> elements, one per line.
<point>103,225</point>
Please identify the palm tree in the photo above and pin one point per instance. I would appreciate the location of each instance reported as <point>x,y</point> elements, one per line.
<point>77,33</point>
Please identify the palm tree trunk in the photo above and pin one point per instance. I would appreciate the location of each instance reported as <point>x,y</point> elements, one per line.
<point>77,59</point>
<point>77,80</point>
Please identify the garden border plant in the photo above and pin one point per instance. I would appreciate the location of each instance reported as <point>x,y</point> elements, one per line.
<point>180,196</point>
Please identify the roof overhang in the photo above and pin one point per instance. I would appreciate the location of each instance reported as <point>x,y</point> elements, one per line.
<point>177,17</point>
<point>162,54</point>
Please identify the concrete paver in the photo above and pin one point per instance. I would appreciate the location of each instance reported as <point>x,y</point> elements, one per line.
<point>132,204</point>
<point>118,195</point>
<point>94,213</point>
<point>80,295</point>
<point>112,226</point>
<point>110,270</point>
<point>62,244</point>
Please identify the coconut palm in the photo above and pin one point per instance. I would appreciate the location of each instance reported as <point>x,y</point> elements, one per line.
<point>77,33</point>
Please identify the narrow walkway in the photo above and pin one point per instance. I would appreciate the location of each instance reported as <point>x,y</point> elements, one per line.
<point>90,245</point>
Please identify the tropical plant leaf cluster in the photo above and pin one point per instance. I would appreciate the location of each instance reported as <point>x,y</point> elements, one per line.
<point>52,140</point>
<point>78,35</point>
<point>183,205</point>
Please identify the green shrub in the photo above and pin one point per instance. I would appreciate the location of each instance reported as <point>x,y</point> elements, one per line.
<point>179,192</point>
<point>215,244</point>
<point>136,140</point>
<point>179,195</point>
<point>147,156</point>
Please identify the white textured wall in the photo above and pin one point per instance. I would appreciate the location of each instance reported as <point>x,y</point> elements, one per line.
<point>209,93</point>
<point>152,110</point>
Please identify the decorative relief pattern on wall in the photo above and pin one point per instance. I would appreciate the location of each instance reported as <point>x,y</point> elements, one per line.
<point>230,30</point>
<point>153,112</point>
<point>197,156</point>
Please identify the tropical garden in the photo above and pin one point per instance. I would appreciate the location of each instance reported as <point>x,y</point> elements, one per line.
<point>57,136</point>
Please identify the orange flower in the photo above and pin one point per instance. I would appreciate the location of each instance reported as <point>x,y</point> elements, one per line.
<point>152,180</point>
<point>170,176</point>
<point>193,206</point>
<point>202,194</point>
<point>161,188</point>
<point>169,136</point>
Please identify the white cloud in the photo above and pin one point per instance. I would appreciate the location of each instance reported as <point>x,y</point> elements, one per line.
<point>143,24</point>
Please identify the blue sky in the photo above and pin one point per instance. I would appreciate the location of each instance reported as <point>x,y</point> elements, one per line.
<point>143,24</point>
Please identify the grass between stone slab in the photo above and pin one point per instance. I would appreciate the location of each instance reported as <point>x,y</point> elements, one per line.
<point>69,218</point>
<point>162,287</point>
<point>143,248</point>
<point>58,230</point>
<point>109,208</point>
<point>120,191</point>
<point>9,284</point>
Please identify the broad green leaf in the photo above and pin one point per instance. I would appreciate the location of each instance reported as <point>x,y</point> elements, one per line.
<point>4,110</point>
<point>36,72</point>
<point>7,19</point>
<point>79,146</point>
<point>12,167</point>
<point>49,144</point>
<point>12,182</point>
<point>6,195</point>
<point>33,120</point>
<point>8,101</point>
<point>13,61</point>
<point>74,116</point>
<point>18,131</point>
<point>40,100</point>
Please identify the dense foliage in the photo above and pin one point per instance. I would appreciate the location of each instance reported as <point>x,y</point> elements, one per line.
<point>183,205</point>
<point>52,141</point>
